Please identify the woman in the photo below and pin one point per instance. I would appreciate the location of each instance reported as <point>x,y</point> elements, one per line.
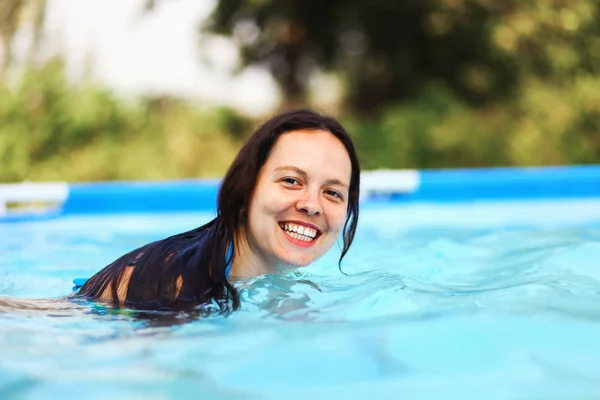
<point>290,192</point>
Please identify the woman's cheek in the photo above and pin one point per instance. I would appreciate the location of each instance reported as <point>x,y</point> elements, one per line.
<point>336,222</point>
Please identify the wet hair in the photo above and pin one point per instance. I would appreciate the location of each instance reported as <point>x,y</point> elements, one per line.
<point>158,265</point>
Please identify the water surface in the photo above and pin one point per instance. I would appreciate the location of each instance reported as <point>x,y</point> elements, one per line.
<point>481,300</point>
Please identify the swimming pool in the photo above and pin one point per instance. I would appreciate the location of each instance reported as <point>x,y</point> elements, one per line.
<point>460,293</point>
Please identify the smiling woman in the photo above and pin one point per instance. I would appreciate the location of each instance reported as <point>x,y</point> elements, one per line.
<point>299,204</point>
<point>289,194</point>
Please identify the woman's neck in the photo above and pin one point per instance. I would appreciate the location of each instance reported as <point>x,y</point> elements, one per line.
<point>247,261</point>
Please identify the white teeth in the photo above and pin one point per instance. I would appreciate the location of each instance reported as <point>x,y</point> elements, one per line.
<point>298,232</point>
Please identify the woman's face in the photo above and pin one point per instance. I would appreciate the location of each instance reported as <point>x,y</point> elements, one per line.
<point>299,205</point>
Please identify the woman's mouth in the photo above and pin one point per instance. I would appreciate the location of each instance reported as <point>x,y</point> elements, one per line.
<point>299,234</point>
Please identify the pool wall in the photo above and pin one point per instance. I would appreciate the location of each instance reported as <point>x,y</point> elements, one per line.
<point>382,185</point>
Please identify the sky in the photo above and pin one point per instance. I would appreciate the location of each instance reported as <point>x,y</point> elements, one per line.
<point>114,43</point>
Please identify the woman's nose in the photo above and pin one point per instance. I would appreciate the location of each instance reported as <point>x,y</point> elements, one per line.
<point>310,204</point>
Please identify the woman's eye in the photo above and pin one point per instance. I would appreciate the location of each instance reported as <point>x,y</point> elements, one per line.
<point>333,193</point>
<point>291,181</point>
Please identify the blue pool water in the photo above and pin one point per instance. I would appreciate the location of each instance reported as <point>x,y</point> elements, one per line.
<point>459,300</point>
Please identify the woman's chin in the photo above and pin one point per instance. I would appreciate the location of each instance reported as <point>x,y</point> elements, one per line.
<point>296,262</point>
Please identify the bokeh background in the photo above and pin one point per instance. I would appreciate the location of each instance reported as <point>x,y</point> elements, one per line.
<point>140,89</point>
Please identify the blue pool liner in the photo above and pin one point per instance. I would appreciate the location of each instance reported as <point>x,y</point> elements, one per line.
<point>506,184</point>
<point>435,185</point>
<point>451,185</point>
<point>189,195</point>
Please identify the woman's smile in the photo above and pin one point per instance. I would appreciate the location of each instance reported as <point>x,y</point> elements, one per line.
<point>300,233</point>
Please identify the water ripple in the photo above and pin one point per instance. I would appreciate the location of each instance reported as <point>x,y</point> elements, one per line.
<point>419,311</point>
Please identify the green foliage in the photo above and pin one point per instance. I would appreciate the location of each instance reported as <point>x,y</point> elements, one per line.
<point>51,130</point>
<point>389,51</point>
<point>547,125</point>
<point>428,84</point>
<point>440,83</point>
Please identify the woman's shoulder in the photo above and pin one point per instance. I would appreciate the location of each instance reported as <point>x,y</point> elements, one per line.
<point>153,272</point>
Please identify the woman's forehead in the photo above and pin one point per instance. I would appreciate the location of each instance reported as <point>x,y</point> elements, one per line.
<point>317,142</point>
<point>313,151</point>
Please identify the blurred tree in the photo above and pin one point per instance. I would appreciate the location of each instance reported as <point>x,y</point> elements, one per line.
<point>414,70</point>
<point>389,50</point>
<point>10,11</point>
<point>385,50</point>
<point>551,40</point>
<point>12,14</point>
